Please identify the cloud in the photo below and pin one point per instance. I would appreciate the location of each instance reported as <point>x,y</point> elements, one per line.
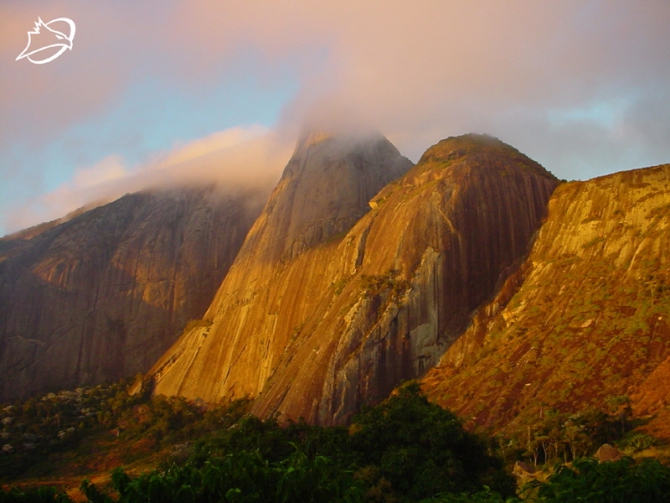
<point>424,70</point>
<point>233,160</point>
<point>212,143</point>
<point>582,87</point>
<point>109,169</point>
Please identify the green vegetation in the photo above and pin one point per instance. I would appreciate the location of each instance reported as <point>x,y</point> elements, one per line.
<point>40,495</point>
<point>240,477</point>
<point>403,450</point>
<point>617,481</point>
<point>341,284</point>
<point>35,431</point>
<point>389,282</point>
<point>193,324</point>
<point>422,450</point>
<point>51,423</point>
<point>563,437</point>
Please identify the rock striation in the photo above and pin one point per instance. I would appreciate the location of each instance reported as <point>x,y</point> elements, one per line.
<point>103,293</point>
<point>353,279</point>
<point>583,322</point>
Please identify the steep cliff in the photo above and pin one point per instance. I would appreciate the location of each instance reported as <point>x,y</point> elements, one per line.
<point>584,322</point>
<point>102,294</point>
<point>331,302</point>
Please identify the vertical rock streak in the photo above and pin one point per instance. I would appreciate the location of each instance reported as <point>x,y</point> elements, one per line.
<point>104,294</point>
<point>331,304</point>
<point>583,320</point>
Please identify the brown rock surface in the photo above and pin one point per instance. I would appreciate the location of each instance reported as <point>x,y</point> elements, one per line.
<point>607,453</point>
<point>101,295</point>
<point>328,306</point>
<point>584,322</point>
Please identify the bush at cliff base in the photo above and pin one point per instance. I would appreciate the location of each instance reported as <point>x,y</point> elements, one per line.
<point>615,481</point>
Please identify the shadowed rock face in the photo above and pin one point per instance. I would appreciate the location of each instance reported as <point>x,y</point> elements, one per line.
<point>584,322</point>
<point>328,307</point>
<point>102,295</point>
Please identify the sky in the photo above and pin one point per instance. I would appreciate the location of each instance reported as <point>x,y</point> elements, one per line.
<point>174,91</point>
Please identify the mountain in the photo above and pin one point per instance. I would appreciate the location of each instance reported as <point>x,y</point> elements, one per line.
<point>350,282</point>
<point>584,322</point>
<point>101,294</point>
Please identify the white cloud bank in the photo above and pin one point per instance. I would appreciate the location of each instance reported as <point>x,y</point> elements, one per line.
<point>582,87</point>
<point>234,159</point>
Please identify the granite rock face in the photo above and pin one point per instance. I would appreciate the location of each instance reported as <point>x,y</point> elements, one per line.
<point>103,294</point>
<point>324,190</point>
<point>331,304</point>
<point>276,280</point>
<point>583,323</point>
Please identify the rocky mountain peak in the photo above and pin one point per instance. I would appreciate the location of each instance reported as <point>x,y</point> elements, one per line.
<point>343,290</point>
<point>311,137</point>
<point>479,146</point>
<point>324,189</point>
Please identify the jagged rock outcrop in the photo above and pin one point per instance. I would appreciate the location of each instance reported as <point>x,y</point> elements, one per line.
<point>584,322</point>
<point>102,294</point>
<point>329,306</point>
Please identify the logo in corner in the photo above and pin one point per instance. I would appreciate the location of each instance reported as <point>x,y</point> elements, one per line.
<point>48,40</point>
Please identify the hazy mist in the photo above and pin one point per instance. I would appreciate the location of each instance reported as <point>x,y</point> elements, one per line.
<point>581,87</point>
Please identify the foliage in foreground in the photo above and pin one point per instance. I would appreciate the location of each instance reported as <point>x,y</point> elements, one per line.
<point>561,437</point>
<point>35,432</point>
<point>40,495</point>
<point>404,450</point>
<point>239,477</point>
<point>613,482</point>
<point>423,449</point>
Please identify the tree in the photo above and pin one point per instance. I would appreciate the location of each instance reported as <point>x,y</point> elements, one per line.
<point>618,481</point>
<point>423,450</point>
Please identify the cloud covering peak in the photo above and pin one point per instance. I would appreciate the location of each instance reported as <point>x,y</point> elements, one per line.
<point>582,87</point>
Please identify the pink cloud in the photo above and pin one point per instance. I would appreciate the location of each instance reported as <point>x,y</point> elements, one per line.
<point>419,71</point>
<point>233,159</point>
